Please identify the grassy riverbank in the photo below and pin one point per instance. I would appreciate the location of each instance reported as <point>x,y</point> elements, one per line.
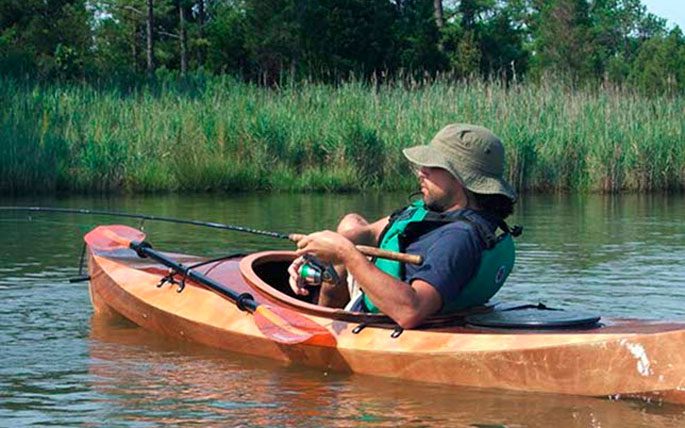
<point>224,136</point>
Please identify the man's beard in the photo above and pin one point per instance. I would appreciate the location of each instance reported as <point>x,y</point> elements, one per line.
<point>434,205</point>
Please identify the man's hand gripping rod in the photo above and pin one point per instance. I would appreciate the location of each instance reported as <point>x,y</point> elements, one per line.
<point>375,252</point>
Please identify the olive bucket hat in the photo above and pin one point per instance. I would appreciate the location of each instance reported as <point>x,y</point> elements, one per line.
<point>473,154</point>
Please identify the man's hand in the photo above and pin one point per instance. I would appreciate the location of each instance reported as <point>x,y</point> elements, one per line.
<point>328,246</point>
<point>296,281</point>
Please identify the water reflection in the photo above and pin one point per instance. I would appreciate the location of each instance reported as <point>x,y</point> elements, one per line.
<point>617,256</point>
<point>144,378</point>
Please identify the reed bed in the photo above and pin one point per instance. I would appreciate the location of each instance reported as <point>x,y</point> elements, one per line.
<point>224,135</point>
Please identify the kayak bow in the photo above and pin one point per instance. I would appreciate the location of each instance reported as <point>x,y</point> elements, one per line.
<point>279,324</point>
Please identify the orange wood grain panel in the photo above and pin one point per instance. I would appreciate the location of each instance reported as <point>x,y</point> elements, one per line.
<point>626,357</point>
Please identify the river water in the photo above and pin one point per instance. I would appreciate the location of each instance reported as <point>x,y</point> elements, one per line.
<point>619,256</point>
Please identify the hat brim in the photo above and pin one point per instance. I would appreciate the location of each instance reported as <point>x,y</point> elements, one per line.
<point>426,156</point>
<point>487,185</point>
<point>472,180</point>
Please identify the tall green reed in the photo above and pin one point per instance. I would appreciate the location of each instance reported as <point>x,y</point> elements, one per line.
<point>224,135</point>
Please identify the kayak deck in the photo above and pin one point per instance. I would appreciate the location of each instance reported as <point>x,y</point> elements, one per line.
<point>623,357</point>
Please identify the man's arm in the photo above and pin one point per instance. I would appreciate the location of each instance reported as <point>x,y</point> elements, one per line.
<point>358,230</point>
<point>407,304</point>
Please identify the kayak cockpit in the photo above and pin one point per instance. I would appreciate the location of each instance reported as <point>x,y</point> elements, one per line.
<point>267,272</point>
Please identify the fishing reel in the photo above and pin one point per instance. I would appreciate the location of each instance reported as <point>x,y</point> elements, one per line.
<point>315,272</point>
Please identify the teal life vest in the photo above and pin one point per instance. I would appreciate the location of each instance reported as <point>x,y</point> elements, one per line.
<point>497,259</point>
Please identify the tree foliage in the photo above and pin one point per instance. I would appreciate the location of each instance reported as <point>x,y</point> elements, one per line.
<point>52,37</point>
<point>267,41</point>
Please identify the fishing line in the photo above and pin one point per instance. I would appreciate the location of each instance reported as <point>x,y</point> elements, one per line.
<point>214,225</point>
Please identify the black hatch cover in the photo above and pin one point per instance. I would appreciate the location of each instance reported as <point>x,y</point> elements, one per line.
<point>534,318</point>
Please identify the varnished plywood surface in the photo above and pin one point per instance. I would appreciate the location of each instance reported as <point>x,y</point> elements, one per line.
<point>623,357</point>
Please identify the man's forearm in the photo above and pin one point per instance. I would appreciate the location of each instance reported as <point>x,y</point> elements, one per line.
<point>395,298</point>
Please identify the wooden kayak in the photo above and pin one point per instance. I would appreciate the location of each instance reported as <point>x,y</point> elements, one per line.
<point>616,358</point>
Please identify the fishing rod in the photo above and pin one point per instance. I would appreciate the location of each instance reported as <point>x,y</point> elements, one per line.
<point>294,237</point>
<point>148,217</point>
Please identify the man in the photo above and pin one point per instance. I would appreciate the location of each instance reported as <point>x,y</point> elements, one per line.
<point>464,201</point>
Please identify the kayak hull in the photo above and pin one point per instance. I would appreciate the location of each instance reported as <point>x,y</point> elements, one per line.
<point>621,358</point>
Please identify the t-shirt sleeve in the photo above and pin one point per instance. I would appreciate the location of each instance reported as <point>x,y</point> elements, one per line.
<point>450,261</point>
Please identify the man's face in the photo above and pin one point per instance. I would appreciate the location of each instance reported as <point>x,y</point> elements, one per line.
<point>438,187</point>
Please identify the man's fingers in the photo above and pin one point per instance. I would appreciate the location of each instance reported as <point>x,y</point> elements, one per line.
<point>295,281</point>
<point>296,286</point>
<point>294,268</point>
<point>292,271</point>
<point>303,242</point>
